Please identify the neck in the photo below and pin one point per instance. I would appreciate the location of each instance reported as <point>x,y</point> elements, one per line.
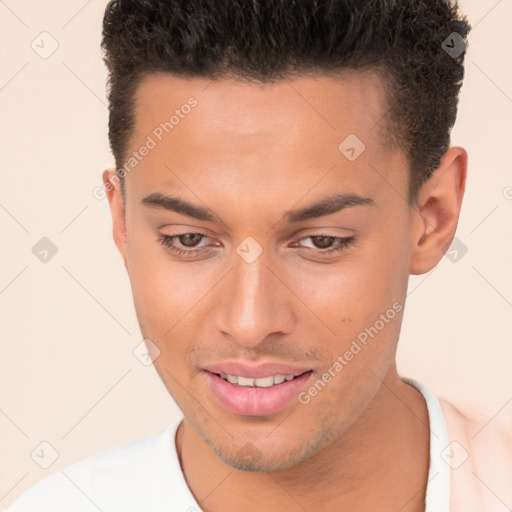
<point>380,463</point>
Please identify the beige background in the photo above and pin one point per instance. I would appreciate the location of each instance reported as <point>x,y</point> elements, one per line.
<point>68,326</point>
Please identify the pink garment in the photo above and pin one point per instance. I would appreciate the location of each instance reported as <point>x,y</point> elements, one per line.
<point>480,458</point>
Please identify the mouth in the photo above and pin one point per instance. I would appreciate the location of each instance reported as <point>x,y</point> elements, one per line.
<point>256,396</point>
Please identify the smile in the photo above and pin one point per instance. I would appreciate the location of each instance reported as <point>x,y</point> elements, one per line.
<point>262,382</point>
<point>257,396</point>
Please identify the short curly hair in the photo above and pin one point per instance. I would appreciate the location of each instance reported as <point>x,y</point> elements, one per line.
<point>407,41</point>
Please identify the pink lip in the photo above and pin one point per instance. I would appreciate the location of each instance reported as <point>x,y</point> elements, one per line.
<point>255,371</point>
<point>251,401</point>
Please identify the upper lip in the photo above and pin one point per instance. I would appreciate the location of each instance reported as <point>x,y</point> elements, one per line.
<point>255,371</point>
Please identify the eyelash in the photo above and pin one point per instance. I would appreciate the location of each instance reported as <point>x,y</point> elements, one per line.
<point>166,240</point>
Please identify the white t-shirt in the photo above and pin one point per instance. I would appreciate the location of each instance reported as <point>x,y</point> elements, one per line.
<point>145,476</point>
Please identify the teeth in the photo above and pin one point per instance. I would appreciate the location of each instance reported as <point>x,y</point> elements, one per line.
<point>245,381</point>
<point>262,382</point>
<point>232,379</point>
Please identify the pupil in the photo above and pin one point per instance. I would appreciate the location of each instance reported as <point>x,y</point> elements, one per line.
<point>188,238</point>
<point>325,241</point>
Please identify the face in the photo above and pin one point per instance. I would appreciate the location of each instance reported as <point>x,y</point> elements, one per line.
<point>234,272</point>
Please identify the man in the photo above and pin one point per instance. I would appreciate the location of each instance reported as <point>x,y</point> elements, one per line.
<point>282,168</point>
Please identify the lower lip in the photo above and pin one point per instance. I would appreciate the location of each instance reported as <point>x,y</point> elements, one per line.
<point>252,401</point>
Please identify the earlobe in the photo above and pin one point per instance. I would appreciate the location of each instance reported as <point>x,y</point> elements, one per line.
<point>112,186</point>
<point>437,211</point>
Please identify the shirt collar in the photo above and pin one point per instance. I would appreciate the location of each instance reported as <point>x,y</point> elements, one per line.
<point>437,498</point>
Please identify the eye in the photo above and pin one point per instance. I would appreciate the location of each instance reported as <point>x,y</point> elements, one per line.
<point>326,241</point>
<point>185,240</point>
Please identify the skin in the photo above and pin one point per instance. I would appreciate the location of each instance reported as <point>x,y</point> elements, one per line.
<point>250,153</point>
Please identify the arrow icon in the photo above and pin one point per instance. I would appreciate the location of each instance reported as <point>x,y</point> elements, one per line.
<point>44,45</point>
<point>454,45</point>
<point>146,352</point>
<point>44,250</point>
<point>44,455</point>
<point>249,249</point>
<point>351,147</point>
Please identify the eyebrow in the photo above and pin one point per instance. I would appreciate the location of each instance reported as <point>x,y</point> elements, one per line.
<point>326,206</point>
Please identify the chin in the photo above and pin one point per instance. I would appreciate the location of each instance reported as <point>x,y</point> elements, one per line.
<point>263,455</point>
<point>259,462</point>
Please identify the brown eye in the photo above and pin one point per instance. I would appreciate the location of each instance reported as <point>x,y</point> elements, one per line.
<point>177,244</point>
<point>323,242</point>
<point>330,244</point>
<point>190,239</point>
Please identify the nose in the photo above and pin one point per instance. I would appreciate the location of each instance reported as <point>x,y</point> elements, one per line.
<point>253,302</point>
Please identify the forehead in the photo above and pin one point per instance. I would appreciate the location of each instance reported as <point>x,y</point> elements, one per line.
<point>234,136</point>
<point>233,107</point>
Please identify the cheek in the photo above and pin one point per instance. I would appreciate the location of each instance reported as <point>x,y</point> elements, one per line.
<point>167,299</point>
<point>357,289</point>
<point>358,304</point>
<point>157,285</point>
<point>165,293</point>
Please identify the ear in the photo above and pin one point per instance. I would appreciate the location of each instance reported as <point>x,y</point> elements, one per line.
<point>437,211</point>
<point>112,186</point>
